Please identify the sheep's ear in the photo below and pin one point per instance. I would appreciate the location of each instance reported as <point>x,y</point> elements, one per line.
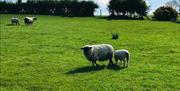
<point>82,48</point>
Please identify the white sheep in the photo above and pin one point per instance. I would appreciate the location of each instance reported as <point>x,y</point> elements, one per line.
<point>29,20</point>
<point>15,21</point>
<point>122,55</point>
<point>99,52</point>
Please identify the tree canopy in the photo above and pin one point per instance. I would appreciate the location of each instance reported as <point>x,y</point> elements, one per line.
<point>52,7</point>
<point>174,4</point>
<point>128,8</point>
<point>165,13</point>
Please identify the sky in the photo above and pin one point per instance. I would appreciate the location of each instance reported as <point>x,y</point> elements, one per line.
<point>154,4</point>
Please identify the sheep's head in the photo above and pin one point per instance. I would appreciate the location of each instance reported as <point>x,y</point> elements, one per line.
<point>87,51</point>
<point>86,48</point>
<point>34,18</point>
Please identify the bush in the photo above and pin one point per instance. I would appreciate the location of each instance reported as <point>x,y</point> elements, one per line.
<point>165,13</point>
<point>115,35</point>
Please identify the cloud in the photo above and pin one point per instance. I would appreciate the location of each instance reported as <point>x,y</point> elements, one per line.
<point>13,0</point>
<point>103,2</point>
<point>102,6</point>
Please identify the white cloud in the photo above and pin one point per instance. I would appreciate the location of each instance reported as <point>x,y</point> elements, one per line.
<point>103,2</point>
<point>102,6</point>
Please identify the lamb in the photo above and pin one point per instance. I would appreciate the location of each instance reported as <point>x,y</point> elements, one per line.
<point>99,52</point>
<point>29,20</point>
<point>15,21</point>
<point>122,55</point>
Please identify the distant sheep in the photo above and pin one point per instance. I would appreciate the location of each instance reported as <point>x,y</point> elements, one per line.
<point>99,52</point>
<point>29,20</point>
<point>122,55</point>
<point>15,21</point>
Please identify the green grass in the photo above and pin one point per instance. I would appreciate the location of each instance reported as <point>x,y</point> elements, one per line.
<point>47,55</point>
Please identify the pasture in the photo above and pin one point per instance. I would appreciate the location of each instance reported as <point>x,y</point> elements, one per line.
<point>47,56</point>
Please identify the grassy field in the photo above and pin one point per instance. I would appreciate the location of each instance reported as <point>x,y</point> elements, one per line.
<point>47,55</point>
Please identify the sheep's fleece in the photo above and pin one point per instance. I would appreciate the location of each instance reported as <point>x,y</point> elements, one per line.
<point>99,52</point>
<point>29,20</point>
<point>15,21</point>
<point>121,54</point>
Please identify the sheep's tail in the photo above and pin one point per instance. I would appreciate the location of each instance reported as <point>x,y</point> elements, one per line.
<point>127,56</point>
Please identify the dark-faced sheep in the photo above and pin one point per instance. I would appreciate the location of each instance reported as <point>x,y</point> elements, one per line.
<point>15,21</point>
<point>122,55</point>
<point>99,52</point>
<point>29,20</point>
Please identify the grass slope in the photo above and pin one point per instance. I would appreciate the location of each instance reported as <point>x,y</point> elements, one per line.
<point>47,55</point>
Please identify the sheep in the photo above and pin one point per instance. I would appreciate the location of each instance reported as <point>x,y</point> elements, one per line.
<point>15,21</point>
<point>122,55</point>
<point>99,52</point>
<point>29,20</point>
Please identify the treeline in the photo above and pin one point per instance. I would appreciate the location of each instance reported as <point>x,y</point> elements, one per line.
<point>51,7</point>
<point>128,8</point>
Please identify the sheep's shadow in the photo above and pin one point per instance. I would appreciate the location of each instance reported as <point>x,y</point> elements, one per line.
<point>115,67</point>
<point>85,69</point>
<point>97,68</point>
<point>177,22</point>
<point>10,25</point>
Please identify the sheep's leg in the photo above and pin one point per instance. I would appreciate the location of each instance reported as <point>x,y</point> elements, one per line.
<point>127,62</point>
<point>124,63</point>
<point>120,62</point>
<point>96,63</point>
<point>92,63</point>
<point>116,60</point>
<point>110,61</point>
<point>31,23</point>
<point>127,59</point>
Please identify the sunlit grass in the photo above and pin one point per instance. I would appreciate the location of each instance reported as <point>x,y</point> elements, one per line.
<point>47,57</point>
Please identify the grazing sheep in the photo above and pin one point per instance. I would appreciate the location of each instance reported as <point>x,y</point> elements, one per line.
<point>15,21</point>
<point>29,20</point>
<point>122,55</point>
<point>99,52</point>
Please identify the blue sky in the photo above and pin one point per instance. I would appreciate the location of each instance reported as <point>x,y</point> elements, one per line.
<point>154,4</point>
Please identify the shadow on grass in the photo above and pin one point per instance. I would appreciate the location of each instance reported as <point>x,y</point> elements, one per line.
<point>10,25</point>
<point>177,22</point>
<point>85,69</point>
<point>118,18</point>
<point>115,67</point>
<point>90,69</point>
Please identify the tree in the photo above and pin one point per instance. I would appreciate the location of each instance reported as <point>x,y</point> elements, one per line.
<point>165,13</point>
<point>19,1</point>
<point>174,4</point>
<point>128,8</point>
<point>56,7</point>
